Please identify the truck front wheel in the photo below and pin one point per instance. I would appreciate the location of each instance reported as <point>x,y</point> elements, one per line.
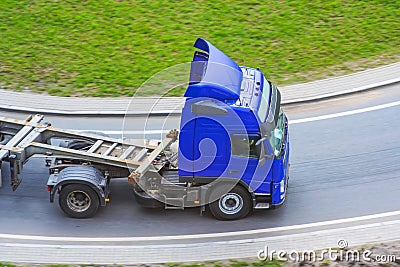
<point>78,201</point>
<point>233,205</point>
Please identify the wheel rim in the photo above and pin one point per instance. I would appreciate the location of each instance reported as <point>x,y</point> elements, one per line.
<point>231,203</point>
<point>78,201</point>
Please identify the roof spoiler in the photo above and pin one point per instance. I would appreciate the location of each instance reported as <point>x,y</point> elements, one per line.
<point>213,74</point>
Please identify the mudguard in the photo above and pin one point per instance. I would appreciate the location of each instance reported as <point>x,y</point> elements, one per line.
<point>86,175</point>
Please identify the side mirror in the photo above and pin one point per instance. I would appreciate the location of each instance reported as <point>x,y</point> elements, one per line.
<point>263,155</point>
<point>264,158</point>
<point>261,140</point>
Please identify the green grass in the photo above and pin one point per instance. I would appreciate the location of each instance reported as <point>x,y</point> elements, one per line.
<point>110,47</point>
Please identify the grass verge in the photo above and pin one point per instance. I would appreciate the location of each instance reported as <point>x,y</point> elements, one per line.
<point>110,47</point>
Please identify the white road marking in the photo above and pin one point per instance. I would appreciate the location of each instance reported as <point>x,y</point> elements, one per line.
<point>317,118</point>
<point>200,236</point>
<point>239,241</point>
<point>346,113</point>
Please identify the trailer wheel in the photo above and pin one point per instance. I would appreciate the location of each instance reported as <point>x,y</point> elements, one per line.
<point>233,205</point>
<point>78,201</point>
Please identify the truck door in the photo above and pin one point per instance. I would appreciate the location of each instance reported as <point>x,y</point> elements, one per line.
<point>246,163</point>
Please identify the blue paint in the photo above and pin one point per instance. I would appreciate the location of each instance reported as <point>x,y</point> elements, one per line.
<point>227,110</point>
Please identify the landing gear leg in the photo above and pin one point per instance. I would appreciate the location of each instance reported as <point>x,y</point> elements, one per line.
<point>14,168</point>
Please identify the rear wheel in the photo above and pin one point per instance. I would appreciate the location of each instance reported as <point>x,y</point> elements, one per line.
<point>78,201</point>
<point>233,205</point>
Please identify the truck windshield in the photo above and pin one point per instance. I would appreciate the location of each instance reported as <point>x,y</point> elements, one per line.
<point>264,102</point>
<point>277,135</point>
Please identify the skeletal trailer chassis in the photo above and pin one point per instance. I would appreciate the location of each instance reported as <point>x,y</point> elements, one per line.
<point>22,139</point>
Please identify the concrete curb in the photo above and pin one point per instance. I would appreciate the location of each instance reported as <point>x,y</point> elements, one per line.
<point>298,93</point>
<point>249,247</point>
<point>344,92</point>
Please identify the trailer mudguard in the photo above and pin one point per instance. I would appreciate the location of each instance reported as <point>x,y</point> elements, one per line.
<point>86,175</point>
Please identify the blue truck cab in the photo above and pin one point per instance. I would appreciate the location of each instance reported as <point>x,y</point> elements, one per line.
<point>233,142</point>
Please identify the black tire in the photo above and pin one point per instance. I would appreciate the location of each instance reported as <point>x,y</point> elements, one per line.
<point>235,204</point>
<point>4,139</point>
<point>79,144</point>
<point>146,201</point>
<point>78,201</point>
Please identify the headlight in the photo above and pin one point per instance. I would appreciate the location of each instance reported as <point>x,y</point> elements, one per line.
<point>282,183</point>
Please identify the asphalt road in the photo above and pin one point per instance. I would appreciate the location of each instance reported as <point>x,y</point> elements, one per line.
<point>341,167</point>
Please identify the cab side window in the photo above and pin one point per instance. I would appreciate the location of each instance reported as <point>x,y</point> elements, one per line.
<point>245,145</point>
